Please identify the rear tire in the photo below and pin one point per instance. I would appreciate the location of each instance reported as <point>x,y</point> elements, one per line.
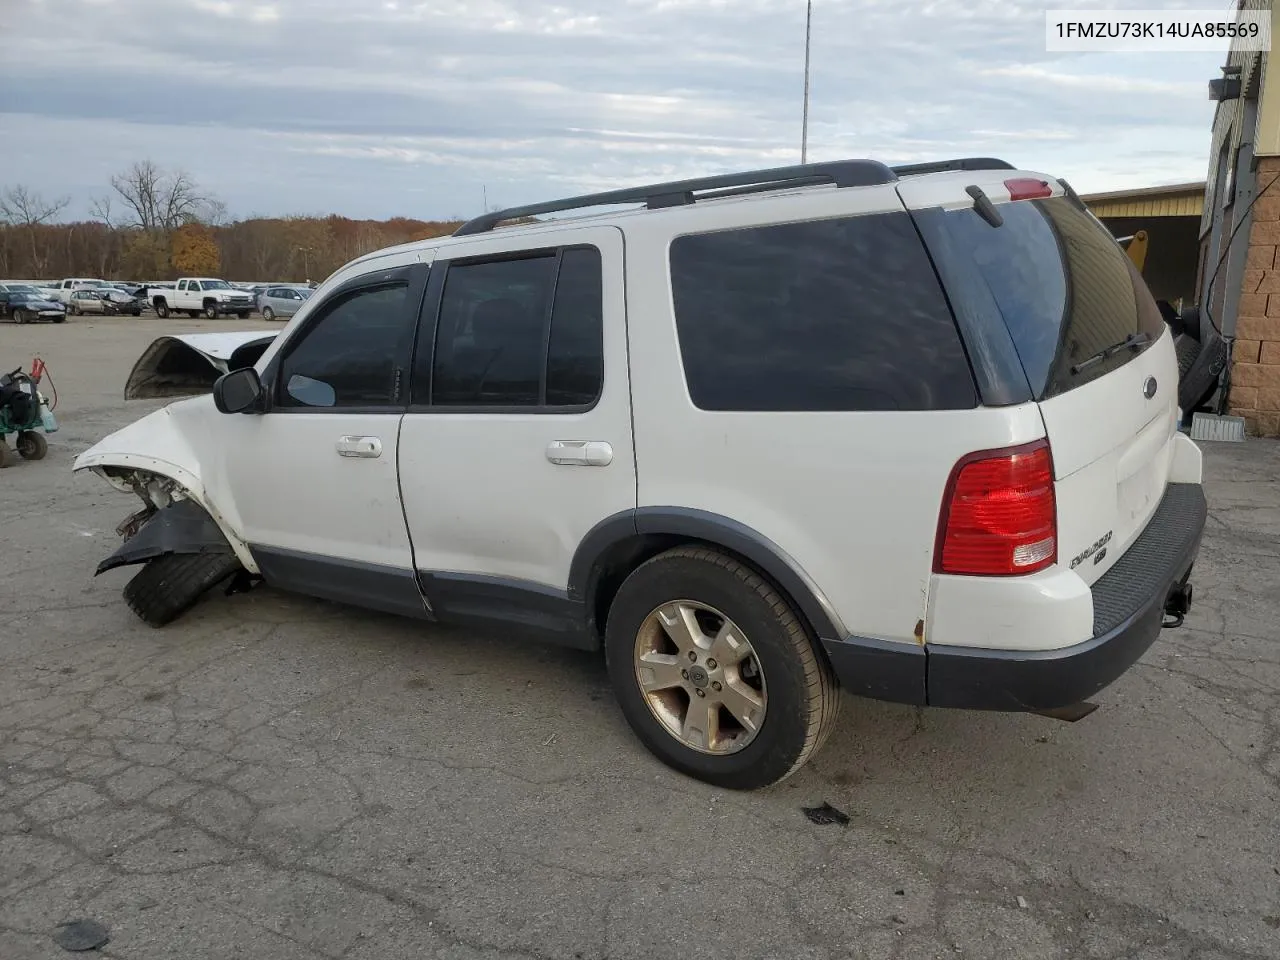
<point>796,693</point>
<point>32,445</point>
<point>170,585</point>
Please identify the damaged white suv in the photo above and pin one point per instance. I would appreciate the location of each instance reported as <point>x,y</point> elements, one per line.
<point>907,432</point>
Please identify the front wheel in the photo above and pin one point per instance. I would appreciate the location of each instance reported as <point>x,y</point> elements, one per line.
<point>169,585</point>
<point>162,311</point>
<point>73,310</point>
<point>715,672</point>
<point>210,312</point>
<point>21,316</point>
<point>32,445</point>
<point>268,313</point>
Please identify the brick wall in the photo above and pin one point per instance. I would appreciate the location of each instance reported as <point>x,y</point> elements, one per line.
<point>1255,367</point>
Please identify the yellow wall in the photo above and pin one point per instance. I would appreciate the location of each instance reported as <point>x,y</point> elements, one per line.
<point>1176,205</point>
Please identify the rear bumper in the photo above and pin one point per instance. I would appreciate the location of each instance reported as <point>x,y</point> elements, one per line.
<point>1128,610</point>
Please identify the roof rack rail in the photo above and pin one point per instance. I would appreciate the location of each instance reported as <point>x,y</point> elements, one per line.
<point>960,163</point>
<point>842,173</point>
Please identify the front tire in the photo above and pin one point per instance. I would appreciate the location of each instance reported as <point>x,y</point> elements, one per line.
<point>32,445</point>
<point>20,316</point>
<point>162,310</point>
<point>715,672</point>
<point>268,313</point>
<point>210,312</point>
<point>170,585</point>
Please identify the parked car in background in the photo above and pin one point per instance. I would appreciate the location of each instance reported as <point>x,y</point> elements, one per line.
<point>282,301</point>
<point>97,301</point>
<point>201,295</point>
<point>13,286</point>
<point>70,285</point>
<point>121,301</point>
<point>22,307</point>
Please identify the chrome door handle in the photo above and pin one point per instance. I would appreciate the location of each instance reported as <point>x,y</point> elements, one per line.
<point>581,453</point>
<point>359,447</point>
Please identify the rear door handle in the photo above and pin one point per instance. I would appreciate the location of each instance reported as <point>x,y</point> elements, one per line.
<point>359,447</point>
<point>581,453</point>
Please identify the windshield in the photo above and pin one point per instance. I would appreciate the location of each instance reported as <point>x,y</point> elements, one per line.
<point>21,297</point>
<point>1064,287</point>
<point>22,288</point>
<point>215,285</point>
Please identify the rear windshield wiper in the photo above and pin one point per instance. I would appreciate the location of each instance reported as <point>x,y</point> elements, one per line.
<point>1132,342</point>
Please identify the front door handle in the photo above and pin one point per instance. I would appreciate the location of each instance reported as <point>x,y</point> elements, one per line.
<point>359,447</point>
<point>582,453</point>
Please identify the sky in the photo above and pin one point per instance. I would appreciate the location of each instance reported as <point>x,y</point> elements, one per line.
<point>434,108</point>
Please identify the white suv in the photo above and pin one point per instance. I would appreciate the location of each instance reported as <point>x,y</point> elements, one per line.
<point>907,432</point>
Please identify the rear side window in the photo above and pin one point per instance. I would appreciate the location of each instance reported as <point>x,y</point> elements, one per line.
<point>523,332</point>
<point>1066,290</point>
<point>840,314</point>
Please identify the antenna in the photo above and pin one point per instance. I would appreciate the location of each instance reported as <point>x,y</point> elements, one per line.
<point>804,128</point>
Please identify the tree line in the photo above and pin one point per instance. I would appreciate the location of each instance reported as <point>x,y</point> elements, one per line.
<point>157,224</point>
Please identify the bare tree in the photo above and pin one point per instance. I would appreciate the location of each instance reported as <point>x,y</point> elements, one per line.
<point>101,208</point>
<point>156,201</point>
<point>29,211</point>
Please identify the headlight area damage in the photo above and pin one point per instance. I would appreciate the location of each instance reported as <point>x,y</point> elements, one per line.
<point>180,538</point>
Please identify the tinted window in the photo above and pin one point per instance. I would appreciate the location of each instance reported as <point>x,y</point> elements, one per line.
<point>575,351</point>
<point>1064,287</point>
<point>489,343</point>
<point>829,315</point>
<point>350,351</point>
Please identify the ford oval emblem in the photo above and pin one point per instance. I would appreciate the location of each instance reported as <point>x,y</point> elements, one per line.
<point>1149,388</point>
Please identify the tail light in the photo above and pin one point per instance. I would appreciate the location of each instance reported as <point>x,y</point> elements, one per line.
<point>999,515</point>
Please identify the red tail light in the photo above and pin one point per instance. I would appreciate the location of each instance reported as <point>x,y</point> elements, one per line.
<point>1028,188</point>
<point>999,516</point>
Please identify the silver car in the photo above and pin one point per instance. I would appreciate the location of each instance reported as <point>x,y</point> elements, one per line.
<point>282,301</point>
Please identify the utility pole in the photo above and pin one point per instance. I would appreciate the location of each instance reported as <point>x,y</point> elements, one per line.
<point>804,129</point>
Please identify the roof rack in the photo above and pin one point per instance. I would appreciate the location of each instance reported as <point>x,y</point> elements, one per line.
<point>960,163</point>
<point>842,173</point>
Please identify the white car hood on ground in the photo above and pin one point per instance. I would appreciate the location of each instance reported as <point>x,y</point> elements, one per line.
<point>188,364</point>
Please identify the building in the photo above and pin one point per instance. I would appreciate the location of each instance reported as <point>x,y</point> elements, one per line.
<point>1238,277</point>
<point>1170,217</point>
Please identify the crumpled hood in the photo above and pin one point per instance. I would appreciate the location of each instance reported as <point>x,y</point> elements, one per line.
<point>188,364</point>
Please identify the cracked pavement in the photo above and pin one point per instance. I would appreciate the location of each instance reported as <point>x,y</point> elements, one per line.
<point>277,777</point>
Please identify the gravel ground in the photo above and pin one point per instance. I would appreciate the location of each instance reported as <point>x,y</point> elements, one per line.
<point>278,777</point>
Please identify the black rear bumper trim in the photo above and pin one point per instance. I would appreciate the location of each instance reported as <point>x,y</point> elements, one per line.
<point>1129,605</point>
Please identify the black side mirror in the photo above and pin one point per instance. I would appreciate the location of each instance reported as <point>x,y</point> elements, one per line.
<point>239,391</point>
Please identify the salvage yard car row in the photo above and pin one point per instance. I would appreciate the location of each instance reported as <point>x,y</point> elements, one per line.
<point>29,302</point>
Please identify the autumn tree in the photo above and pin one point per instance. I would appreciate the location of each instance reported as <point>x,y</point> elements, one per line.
<point>194,251</point>
<point>28,212</point>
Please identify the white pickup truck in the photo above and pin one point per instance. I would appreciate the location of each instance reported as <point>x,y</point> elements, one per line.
<point>62,292</point>
<point>201,296</point>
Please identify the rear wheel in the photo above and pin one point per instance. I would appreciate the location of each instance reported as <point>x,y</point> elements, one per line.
<point>170,585</point>
<point>32,445</point>
<point>268,313</point>
<point>715,672</point>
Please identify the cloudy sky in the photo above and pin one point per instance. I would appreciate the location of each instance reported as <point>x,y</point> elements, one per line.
<point>377,108</point>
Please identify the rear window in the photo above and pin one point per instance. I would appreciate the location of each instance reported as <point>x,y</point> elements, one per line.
<point>1064,287</point>
<point>843,314</point>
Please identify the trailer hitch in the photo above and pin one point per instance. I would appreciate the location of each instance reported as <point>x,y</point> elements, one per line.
<point>1176,605</point>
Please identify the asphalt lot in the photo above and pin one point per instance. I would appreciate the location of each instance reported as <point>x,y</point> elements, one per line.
<point>276,777</point>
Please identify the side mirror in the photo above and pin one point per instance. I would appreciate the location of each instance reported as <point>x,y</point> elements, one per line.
<point>239,391</point>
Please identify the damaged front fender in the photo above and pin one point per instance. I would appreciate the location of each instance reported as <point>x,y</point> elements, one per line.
<point>182,527</point>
